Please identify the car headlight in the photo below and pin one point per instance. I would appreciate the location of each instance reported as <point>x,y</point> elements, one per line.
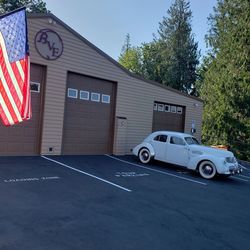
<point>230,160</point>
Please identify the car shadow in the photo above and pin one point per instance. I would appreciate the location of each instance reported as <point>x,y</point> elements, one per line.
<point>176,169</point>
<point>163,166</point>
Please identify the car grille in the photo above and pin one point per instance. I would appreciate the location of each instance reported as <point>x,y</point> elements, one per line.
<point>231,160</point>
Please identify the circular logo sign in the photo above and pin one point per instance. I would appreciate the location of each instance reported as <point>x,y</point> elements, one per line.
<point>49,44</point>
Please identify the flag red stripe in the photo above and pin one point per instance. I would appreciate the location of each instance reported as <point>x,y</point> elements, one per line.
<point>8,103</point>
<point>9,82</point>
<point>17,75</point>
<point>26,111</point>
<point>23,63</point>
<point>4,117</point>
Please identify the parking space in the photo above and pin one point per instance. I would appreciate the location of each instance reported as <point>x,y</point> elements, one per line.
<point>107,202</point>
<point>126,173</point>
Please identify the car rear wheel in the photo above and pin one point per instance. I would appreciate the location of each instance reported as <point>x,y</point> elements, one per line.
<point>144,155</point>
<point>207,170</point>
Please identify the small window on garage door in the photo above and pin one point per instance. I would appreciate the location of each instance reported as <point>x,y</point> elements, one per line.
<point>155,106</point>
<point>167,108</point>
<point>72,93</point>
<point>160,107</point>
<point>84,95</point>
<point>95,97</point>
<point>105,98</point>
<point>179,110</point>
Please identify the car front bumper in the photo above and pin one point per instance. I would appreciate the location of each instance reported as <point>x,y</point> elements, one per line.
<point>234,169</point>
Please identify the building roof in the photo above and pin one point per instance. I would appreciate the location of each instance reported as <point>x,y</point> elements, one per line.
<point>50,15</point>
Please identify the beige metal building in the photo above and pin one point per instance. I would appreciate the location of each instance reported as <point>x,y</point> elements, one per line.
<point>84,102</point>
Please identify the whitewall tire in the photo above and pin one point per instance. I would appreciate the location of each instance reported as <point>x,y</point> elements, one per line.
<point>144,156</point>
<point>207,169</point>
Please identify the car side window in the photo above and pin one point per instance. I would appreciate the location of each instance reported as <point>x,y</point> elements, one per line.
<point>161,138</point>
<point>177,141</point>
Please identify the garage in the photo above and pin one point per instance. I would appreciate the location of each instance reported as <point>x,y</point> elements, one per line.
<point>24,138</point>
<point>89,115</point>
<point>85,103</point>
<point>169,117</point>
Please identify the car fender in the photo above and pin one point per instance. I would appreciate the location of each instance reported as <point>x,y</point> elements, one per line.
<point>194,161</point>
<point>147,145</point>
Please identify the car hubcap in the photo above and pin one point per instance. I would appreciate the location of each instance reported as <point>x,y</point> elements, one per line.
<point>207,170</point>
<point>145,155</point>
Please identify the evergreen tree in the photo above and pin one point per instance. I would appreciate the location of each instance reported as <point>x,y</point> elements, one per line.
<point>127,44</point>
<point>151,61</point>
<point>34,6</point>
<point>179,51</point>
<point>226,86</point>
<point>201,71</point>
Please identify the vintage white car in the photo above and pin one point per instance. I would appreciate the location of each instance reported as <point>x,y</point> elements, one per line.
<point>184,150</point>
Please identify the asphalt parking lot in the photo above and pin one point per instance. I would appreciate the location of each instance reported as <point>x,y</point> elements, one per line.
<point>106,202</point>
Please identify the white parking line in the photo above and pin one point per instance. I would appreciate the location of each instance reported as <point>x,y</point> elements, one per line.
<point>243,167</point>
<point>241,175</point>
<point>234,177</point>
<point>82,172</point>
<point>155,170</point>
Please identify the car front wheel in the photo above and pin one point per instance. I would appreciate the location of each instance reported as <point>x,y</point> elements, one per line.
<point>207,169</point>
<point>144,155</point>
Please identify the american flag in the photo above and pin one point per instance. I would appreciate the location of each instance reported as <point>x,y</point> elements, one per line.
<point>15,99</point>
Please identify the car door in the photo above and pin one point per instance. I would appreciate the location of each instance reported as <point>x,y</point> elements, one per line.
<point>159,144</point>
<point>177,151</point>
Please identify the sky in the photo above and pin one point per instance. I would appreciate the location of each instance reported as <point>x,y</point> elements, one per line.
<point>105,23</point>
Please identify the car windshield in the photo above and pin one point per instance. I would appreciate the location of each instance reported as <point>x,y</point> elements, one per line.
<point>191,140</point>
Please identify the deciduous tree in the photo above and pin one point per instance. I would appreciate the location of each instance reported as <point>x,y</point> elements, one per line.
<point>130,57</point>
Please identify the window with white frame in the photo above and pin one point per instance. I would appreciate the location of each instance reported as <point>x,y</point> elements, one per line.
<point>179,110</point>
<point>167,108</point>
<point>173,109</point>
<point>72,93</point>
<point>84,95</point>
<point>34,87</point>
<point>95,97</point>
<point>105,98</point>
<point>160,107</point>
<point>155,106</point>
